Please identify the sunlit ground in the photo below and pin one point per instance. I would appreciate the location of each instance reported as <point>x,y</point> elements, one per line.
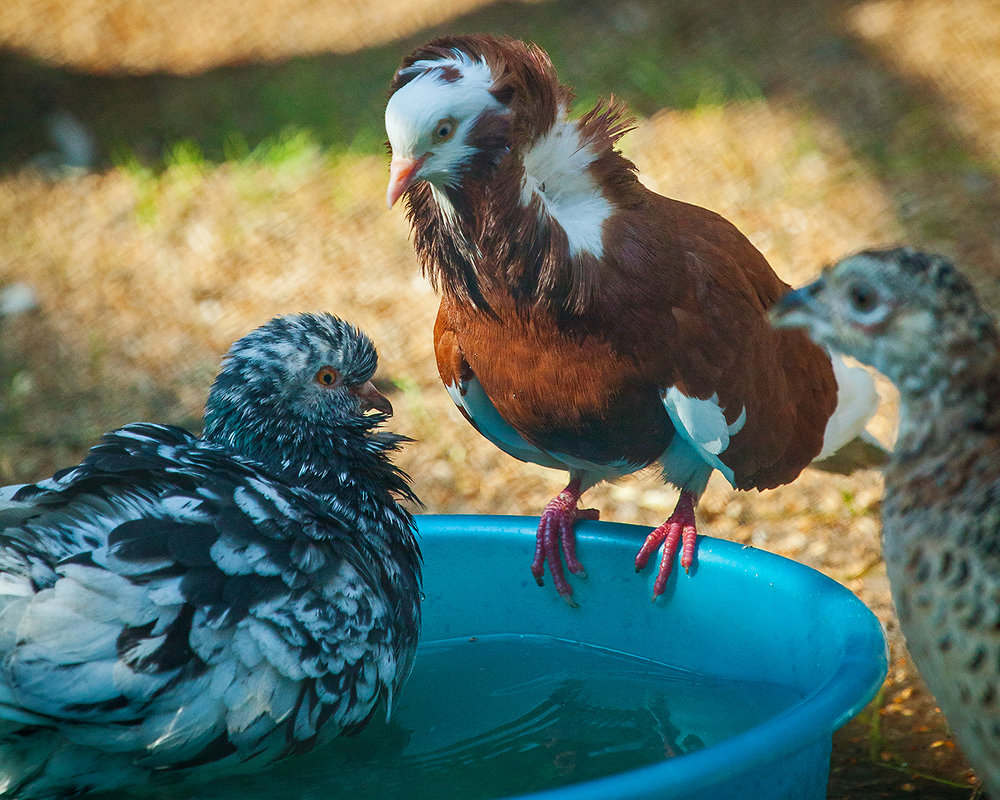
<point>230,166</point>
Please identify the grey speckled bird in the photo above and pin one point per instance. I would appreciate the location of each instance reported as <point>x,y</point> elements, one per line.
<point>175,602</point>
<point>916,319</point>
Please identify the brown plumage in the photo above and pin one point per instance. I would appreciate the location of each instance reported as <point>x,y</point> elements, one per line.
<point>584,318</point>
<point>916,319</point>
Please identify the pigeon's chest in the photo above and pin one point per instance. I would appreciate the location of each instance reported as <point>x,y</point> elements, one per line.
<point>568,390</point>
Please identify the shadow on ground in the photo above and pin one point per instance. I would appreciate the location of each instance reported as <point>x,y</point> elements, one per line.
<point>680,55</point>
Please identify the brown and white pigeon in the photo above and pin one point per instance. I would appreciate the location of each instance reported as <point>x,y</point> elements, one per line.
<point>586,323</point>
<point>917,320</point>
<point>176,605</point>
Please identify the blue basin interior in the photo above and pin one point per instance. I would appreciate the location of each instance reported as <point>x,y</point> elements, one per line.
<point>742,614</point>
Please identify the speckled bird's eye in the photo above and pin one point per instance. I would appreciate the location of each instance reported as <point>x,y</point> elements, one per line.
<point>863,298</point>
<point>327,376</point>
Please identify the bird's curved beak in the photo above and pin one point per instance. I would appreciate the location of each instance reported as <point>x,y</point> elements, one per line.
<point>403,173</point>
<point>797,308</point>
<point>371,398</point>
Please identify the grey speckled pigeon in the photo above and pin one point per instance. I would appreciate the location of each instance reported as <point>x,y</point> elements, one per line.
<point>176,602</point>
<point>916,319</point>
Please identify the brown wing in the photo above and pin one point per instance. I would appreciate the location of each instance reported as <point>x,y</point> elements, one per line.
<point>452,366</point>
<point>564,390</point>
<point>693,300</point>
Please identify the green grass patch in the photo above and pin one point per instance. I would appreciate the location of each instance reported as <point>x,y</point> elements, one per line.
<point>336,101</point>
<point>871,718</point>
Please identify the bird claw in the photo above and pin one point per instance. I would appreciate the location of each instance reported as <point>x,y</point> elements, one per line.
<point>678,530</point>
<point>556,540</point>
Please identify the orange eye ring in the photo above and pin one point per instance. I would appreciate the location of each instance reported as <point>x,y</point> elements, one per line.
<point>327,377</point>
<point>444,129</point>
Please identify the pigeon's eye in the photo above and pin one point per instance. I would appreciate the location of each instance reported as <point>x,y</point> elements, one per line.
<point>327,376</point>
<point>444,130</point>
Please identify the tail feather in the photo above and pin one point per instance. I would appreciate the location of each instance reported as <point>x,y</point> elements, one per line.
<point>864,451</point>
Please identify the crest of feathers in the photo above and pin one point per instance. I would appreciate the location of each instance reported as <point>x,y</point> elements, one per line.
<point>494,243</point>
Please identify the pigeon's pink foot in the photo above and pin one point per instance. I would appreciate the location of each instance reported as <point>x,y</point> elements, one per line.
<point>678,529</point>
<point>555,531</point>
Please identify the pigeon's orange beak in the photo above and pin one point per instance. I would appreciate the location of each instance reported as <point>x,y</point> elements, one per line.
<point>403,173</point>
<point>372,398</point>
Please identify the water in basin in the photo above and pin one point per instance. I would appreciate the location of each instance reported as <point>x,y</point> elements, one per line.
<point>492,716</point>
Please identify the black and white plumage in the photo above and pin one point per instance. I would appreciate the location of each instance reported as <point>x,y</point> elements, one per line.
<point>176,601</point>
<point>917,319</point>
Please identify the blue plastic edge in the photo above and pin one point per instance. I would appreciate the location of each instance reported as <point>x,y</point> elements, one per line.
<point>860,673</point>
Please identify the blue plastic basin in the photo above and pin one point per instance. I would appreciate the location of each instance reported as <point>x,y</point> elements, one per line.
<point>742,613</point>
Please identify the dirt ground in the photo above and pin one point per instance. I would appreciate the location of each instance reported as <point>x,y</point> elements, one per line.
<point>817,126</point>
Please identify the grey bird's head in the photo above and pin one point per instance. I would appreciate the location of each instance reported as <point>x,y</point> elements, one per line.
<point>294,387</point>
<point>908,314</point>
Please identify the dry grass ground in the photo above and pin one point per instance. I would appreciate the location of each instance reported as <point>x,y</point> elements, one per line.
<point>817,126</point>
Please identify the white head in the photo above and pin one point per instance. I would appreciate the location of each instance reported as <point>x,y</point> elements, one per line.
<point>430,118</point>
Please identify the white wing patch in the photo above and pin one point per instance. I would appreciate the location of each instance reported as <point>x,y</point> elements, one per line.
<point>703,425</point>
<point>556,170</point>
<point>857,402</point>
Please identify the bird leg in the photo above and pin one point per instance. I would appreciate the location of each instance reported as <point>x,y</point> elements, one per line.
<point>555,530</point>
<point>678,528</point>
